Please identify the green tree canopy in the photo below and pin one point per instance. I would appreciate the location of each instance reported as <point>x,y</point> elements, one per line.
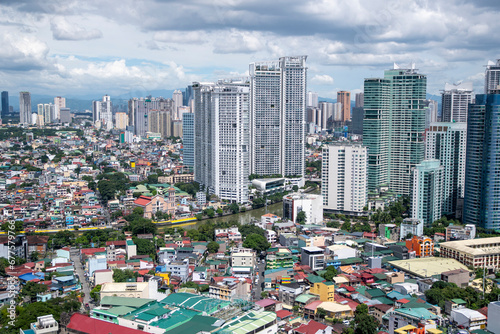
<point>213,247</point>
<point>257,242</point>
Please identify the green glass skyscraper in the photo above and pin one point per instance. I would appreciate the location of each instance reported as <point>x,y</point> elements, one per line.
<point>393,127</point>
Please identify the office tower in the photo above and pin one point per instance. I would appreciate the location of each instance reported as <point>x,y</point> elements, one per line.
<point>277,107</point>
<point>447,143</point>
<point>222,138</point>
<point>312,99</point>
<point>5,103</point>
<point>359,100</point>
<point>492,77</point>
<point>187,96</point>
<point>345,98</point>
<point>358,113</point>
<point>482,180</point>
<point>65,115</point>
<point>121,120</point>
<point>25,116</point>
<point>344,178</point>
<point>59,102</point>
<point>455,101</point>
<point>40,120</point>
<point>393,127</point>
<point>427,191</point>
<point>188,139</point>
<point>177,128</point>
<point>431,112</point>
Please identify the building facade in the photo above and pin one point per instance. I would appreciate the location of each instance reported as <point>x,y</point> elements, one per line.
<point>492,76</point>
<point>393,127</point>
<point>277,122</point>
<point>345,98</point>
<point>427,193</point>
<point>447,142</point>
<point>188,139</point>
<point>222,138</point>
<point>482,181</point>
<point>311,204</point>
<point>455,102</point>
<point>25,116</point>
<point>344,178</point>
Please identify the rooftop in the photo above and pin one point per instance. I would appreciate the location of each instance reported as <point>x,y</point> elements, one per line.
<point>478,247</point>
<point>427,267</point>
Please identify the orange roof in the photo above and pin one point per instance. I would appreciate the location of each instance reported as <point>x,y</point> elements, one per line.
<point>142,200</point>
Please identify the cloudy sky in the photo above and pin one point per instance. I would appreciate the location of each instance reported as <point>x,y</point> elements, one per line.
<point>80,48</point>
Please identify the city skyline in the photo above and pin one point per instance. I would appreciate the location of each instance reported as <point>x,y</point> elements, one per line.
<point>79,48</point>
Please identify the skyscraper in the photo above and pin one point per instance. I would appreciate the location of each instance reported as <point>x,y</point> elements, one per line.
<point>492,76</point>
<point>278,107</point>
<point>139,111</point>
<point>431,112</point>
<point>427,193</point>
<point>5,103</point>
<point>222,138</point>
<point>359,100</point>
<point>482,180</point>
<point>393,127</point>
<point>177,98</point>
<point>455,102</point>
<point>188,139</point>
<point>312,99</point>
<point>25,108</point>
<point>121,120</point>
<point>345,98</point>
<point>447,142</point>
<point>344,178</point>
<point>59,102</point>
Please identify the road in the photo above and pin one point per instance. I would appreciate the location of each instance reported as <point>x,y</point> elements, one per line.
<point>75,257</point>
<point>257,289</point>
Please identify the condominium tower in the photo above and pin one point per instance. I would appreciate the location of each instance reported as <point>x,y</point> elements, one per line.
<point>222,138</point>
<point>427,192</point>
<point>188,139</point>
<point>447,142</point>
<point>344,178</point>
<point>25,116</point>
<point>482,180</point>
<point>455,102</point>
<point>277,121</point>
<point>492,76</point>
<point>345,98</point>
<point>393,127</point>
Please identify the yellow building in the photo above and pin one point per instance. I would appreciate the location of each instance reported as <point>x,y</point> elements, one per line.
<point>165,277</point>
<point>325,291</point>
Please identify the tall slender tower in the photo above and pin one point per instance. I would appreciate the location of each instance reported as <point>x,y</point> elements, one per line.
<point>482,180</point>
<point>277,122</point>
<point>447,143</point>
<point>345,98</point>
<point>5,103</point>
<point>394,126</point>
<point>25,108</point>
<point>222,138</point>
<point>59,103</point>
<point>427,191</point>
<point>455,102</point>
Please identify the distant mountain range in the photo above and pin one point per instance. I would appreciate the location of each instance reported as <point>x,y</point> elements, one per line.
<point>84,102</point>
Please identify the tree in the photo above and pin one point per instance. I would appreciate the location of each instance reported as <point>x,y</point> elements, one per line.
<point>138,211</point>
<point>123,275</point>
<point>32,289</point>
<point>199,216</point>
<point>210,213</point>
<point>34,256</point>
<point>17,225</point>
<point>95,294</point>
<point>321,313</point>
<point>219,211</point>
<point>234,208</point>
<point>213,247</point>
<point>295,188</point>
<point>301,217</point>
<point>363,322</point>
<point>346,226</point>
<point>145,247</point>
<point>330,273</point>
<point>257,242</point>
